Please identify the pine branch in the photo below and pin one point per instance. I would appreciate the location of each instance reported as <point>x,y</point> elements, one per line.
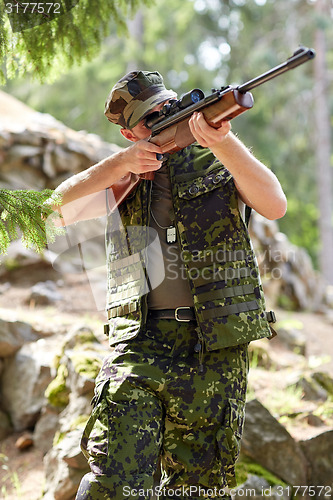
<point>44,45</point>
<point>27,212</point>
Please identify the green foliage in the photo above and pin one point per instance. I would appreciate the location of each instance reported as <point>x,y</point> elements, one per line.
<point>26,210</point>
<point>29,44</point>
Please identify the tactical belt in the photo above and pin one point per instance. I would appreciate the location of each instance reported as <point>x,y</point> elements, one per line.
<point>180,314</point>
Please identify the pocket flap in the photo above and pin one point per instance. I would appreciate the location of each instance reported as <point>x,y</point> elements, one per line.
<point>203,184</point>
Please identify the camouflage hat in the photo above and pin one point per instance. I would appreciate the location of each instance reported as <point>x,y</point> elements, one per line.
<point>134,96</point>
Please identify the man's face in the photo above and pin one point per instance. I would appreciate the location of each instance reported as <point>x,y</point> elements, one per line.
<point>140,130</point>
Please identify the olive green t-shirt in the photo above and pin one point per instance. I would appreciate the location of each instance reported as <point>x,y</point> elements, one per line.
<point>174,290</point>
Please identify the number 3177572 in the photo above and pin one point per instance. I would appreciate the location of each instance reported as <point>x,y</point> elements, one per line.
<point>31,7</point>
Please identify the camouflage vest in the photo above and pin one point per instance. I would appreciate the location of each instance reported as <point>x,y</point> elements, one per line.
<point>215,247</point>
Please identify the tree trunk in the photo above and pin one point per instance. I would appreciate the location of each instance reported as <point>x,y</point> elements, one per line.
<point>136,29</point>
<point>323,145</point>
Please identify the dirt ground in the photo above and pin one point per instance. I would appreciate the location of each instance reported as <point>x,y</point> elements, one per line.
<point>22,472</point>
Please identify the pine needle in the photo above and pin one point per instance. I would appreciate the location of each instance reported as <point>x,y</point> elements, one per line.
<point>25,211</point>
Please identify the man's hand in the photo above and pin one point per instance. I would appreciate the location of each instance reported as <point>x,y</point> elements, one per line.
<point>141,157</point>
<point>206,135</point>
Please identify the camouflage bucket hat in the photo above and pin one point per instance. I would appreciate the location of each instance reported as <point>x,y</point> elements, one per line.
<point>134,96</point>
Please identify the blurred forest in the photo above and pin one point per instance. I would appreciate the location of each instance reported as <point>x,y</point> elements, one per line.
<point>211,43</point>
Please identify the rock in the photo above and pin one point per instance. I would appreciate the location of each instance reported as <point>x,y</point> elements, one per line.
<point>312,390</point>
<point>18,256</point>
<point>314,420</point>
<point>4,287</point>
<point>268,443</point>
<point>261,355</point>
<point>294,339</point>
<point>43,293</point>
<point>24,442</point>
<point>36,150</point>
<point>258,488</point>
<point>13,335</point>
<point>5,425</point>
<point>83,367</point>
<point>15,177</point>
<point>287,271</point>
<point>253,487</point>
<point>57,392</point>
<point>329,297</point>
<point>325,381</point>
<point>45,428</point>
<point>62,480</point>
<point>319,453</point>
<point>25,378</point>
<point>80,359</point>
<point>71,452</point>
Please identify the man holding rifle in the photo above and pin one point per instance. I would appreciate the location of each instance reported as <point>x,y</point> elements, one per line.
<point>169,400</point>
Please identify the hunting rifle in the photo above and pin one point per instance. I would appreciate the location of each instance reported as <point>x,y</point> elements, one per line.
<point>170,129</point>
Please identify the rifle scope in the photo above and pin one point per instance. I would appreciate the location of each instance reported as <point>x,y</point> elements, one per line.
<point>174,106</point>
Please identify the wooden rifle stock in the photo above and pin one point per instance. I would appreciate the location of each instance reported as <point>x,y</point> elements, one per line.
<point>172,132</point>
<point>178,136</point>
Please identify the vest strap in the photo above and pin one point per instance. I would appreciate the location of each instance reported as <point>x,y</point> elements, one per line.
<point>222,293</point>
<point>221,275</point>
<point>122,310</point>
<point>127,278</point>
<point>125,262</point>
<point>230,309</point>
<point>125,294</point>
<point>218,257</point>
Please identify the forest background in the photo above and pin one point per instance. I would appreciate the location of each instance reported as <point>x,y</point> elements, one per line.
<point>67,70</point>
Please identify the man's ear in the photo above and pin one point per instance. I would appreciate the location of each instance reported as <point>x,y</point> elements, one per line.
<point>128,134</point>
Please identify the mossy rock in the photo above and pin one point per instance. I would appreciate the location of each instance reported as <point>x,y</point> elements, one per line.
<point>86,336</point>
<point>245,466</point>
<point>86,363</point>
<point>57,391</point>
<point>325,381</point>
<point>79,422</point>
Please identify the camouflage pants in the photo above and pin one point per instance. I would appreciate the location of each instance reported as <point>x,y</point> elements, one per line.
<point>157,400</point>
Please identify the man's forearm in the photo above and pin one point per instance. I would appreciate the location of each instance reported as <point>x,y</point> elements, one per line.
<point>92,180</point>
<point>83,195</point>
<point>257,185</point>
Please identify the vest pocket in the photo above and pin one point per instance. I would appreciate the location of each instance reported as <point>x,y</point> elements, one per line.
<point>229,439</point>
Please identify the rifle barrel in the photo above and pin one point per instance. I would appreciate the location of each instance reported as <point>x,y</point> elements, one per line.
<point>302,55</point>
